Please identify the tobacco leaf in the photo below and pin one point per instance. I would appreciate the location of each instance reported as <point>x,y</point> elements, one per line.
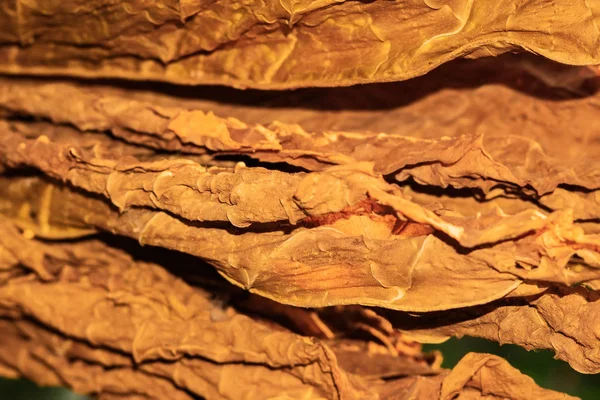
<point>184,188</point>
<point>62,154</point>
<point>334,197</point>
<point>284,44</point>
<point>409,140</point>
<point>346,262</point>
<point>117,318</point>
<point>72,371</point>
<point>141,310</point>
<point>29,351</point>
<point>308,267</point>
<point>559,319</point>
<point>477,182</point>
<point>583,204</point>
<point>485,371</point>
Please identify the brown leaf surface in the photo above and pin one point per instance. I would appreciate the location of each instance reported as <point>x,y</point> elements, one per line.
<point>141,310</point>
<point>120,319</point>
<point>477,376</point>
<point>396,273</point>
<point>334,198</point>
<point>473,135</point>
<point>463,202</point>
<point>559,319</point>
<point>185,188</point>
<point>284,44</point>
<point>306,267</point>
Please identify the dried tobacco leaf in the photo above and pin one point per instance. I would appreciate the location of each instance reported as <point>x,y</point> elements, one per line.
<point>306,267</point>
<point>395,271</point>
<point>561,319</point>
<point>416,141</point>
<point>131,177</point>
<point>284,44</point>
<point>477,182</point>
<point>132,314</point>
<point>185,189</point>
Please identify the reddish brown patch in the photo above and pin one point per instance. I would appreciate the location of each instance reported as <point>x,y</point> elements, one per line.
<point>377,212</point>
<point>582,246</point>
<point>410,228</point>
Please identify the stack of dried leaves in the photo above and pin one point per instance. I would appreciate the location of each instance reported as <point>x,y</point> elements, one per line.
<point>297,244</point>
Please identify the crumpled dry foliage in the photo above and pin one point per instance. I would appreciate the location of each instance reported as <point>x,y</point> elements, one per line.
<point>284,44</point>
<point>138,329</point>
<point>349,224</point>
